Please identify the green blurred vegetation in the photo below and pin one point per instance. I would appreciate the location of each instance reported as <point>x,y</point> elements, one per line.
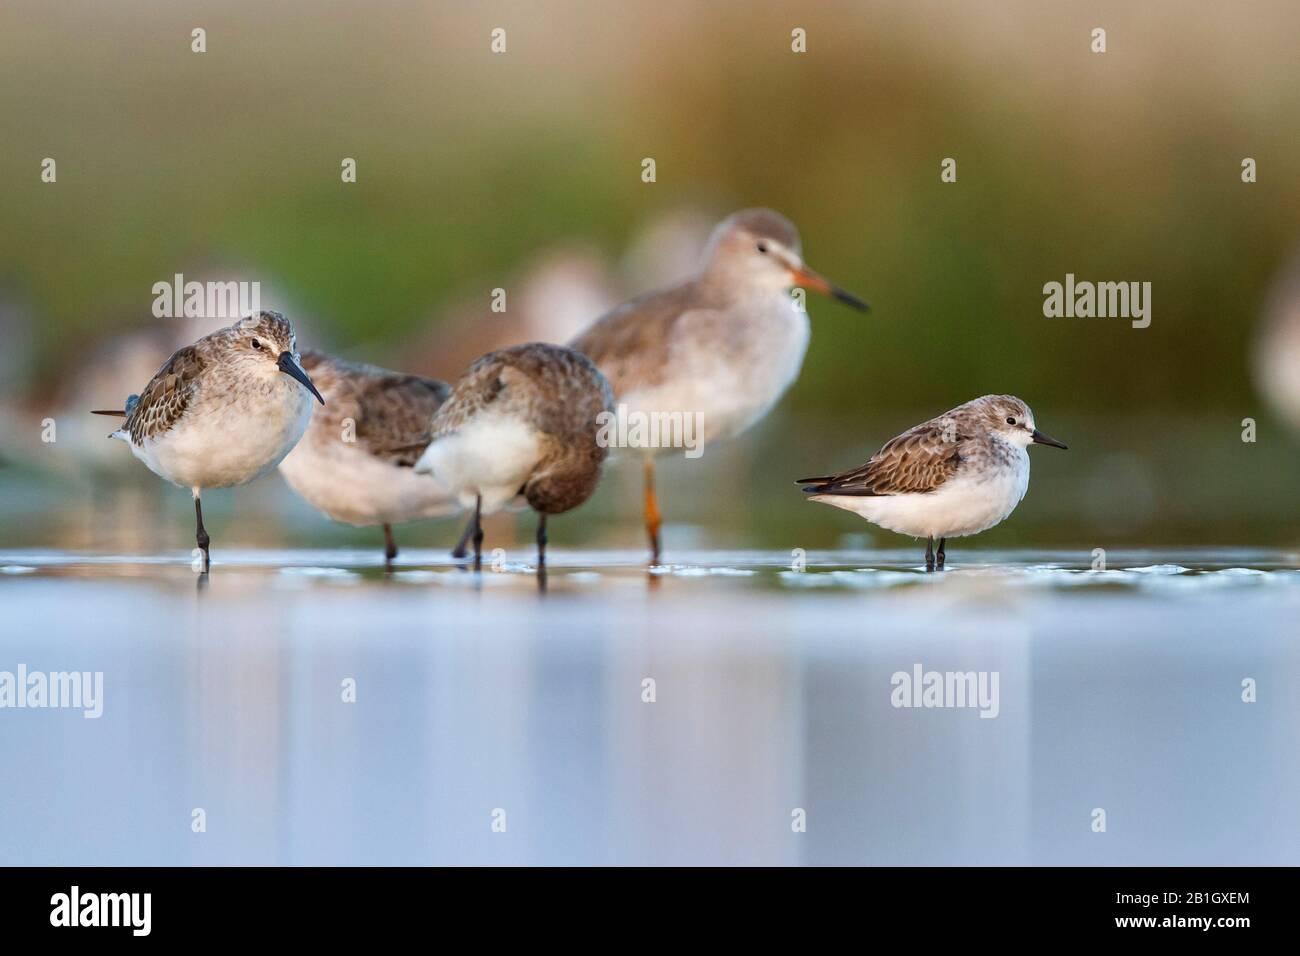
<point>1122,166</point>
<point>1116,166</point>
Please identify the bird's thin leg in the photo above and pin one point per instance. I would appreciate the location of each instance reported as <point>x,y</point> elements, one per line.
<point>390,546</point>
<point>940,556</point>
<point>653,520</point>
<point>541,554</point>
<point>462,546</point>
<point>478,533</point>
<point>200,534</point>
<point>929,554</point>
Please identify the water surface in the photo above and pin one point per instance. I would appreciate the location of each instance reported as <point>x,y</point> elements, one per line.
<point>1118,689</point>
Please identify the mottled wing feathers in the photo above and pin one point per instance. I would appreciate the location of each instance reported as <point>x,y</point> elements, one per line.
<point>397,412</point>
<point>477,389</point>
<point>919,460</point>
<point>165,399</point>
<point>389,412</point>
<point>556,390</point>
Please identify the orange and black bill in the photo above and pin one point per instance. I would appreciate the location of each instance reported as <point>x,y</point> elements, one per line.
<point>808,279</point>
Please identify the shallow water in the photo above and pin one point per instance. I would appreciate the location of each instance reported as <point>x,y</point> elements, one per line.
<point>1117,689</point>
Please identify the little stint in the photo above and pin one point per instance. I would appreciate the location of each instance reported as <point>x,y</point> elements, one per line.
<point>955,475</point>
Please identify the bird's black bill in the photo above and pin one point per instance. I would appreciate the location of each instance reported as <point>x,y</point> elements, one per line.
<point>291,368</point>
<point>1041,439</point>
<point>848,298</point>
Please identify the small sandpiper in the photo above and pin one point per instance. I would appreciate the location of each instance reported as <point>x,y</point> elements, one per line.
<point>222,411</point>
<point>523,421</point>
<point>356,461</point>
<point>725,344</point>
<point>955,475</point>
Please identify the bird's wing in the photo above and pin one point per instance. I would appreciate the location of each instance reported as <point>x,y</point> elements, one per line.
<point>631,344</point>
<point>385,414</point>
<point>555,392</point>
<point>168,394</point>
<point>919,460</point>
<point>396,412</point>
<point>476,390</point>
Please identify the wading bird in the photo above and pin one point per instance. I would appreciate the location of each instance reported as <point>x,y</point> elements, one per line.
<point>955,475</point>
<point>356,461</point>
<point>522,422</point>
<point>222,411</point>
<point>722,346</point>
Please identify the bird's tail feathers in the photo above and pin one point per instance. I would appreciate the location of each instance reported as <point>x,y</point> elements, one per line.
<point>814,485</point>
<point>131,402</point>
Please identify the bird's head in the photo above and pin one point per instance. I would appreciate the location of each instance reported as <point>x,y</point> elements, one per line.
<point>264,344</point>
<point>760,249</point>
<point>1013,421</point>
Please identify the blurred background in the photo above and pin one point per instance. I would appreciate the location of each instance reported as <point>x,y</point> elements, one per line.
<point>522,170</point>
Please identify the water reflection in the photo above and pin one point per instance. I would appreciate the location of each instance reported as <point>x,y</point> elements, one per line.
<point>766,697</point>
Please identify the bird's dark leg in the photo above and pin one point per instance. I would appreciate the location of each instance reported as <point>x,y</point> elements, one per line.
<point>653,519</point>
<point>541,554</point>
<point>390,547</point>
<point>929,554</point>
<point>462,546</point>
<point>478,533</point>
<point>940,556</point>
<point>200,534</point>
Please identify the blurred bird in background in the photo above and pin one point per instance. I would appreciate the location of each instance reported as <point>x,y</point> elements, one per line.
<point>1277,345</point>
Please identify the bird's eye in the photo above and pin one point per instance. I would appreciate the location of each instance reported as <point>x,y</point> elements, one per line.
<point>1011,421</point>
<point>762,247</point>
<point>256,344</point>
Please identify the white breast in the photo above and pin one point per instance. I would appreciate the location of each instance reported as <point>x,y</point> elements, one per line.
<point>231,440</point>
<point>492,456</point>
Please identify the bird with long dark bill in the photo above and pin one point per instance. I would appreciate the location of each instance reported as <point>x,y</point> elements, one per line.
<point>221,412</point>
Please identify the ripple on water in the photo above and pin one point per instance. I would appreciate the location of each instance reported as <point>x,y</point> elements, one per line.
<point>302,576</point>
<point>1155,578</point>
<point>696,571</point>
<point>1157,573</point>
